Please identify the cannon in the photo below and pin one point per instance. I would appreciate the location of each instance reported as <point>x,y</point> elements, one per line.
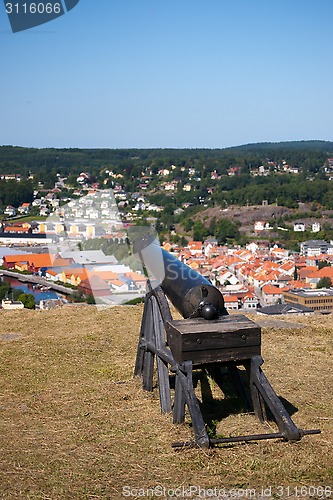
<point>189,292</point>
<point>206,340</point>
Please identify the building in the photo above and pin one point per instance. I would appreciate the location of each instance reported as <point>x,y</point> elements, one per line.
<point>94,286</point>
<point>24,238</point>
<point>28,262</point>
<point>315,227</point>
<point>312,279</point>
<point>312,248</point>
<point>299,227</point>
<point>10,211</point>
<point>89,257</point>
<point>261,226</point>
<point>195,247</point>
<point>250,301</point>
<point>271,294</point>
<point>10,305</point>
<point>24,208</point>
<point>231,302</point>
<point>320,300</point>
<point>291,309</point>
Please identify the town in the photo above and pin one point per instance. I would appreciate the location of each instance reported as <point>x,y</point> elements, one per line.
<point>254,278</point>
<point>72,236</point>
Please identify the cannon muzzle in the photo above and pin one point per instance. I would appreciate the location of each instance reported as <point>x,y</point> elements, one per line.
<point>190,292</point>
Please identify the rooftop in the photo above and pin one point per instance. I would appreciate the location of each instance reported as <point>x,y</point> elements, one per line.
<point>321,292</point>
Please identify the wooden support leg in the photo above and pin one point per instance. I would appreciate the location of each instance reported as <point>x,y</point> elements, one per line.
<point>260,386</point>
<point>258,403</point>
<point>162,365</point>
<point>179,402</point>
<point>185,378</point>
<point>146,318</point>
<point>148,360</point>
<point>238,383</point>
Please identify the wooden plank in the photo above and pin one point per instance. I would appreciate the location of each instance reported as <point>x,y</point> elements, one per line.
<point>218,332</point>
<point>203,342</point>
<point>162,366</point>
<point>266,391</point>
<point>175,344</point>
<point>148,361</point>
<point>138,370</point>
<point>199,427</point>
<point>163,304</point>
<point>179,403</point>
<point>224,323</point>
<point>219,355</point>
<point>200,342</point>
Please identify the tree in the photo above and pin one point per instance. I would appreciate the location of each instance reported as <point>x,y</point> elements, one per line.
<point>200,231</point>
<point>323,263</point>
<point>226,229</point>
<point>5,289</point>
<point>27,300</point>
<point>91,299</point>
<point>324,282</point>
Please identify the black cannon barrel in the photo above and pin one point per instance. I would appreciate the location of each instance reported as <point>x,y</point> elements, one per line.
<point>190,292</point>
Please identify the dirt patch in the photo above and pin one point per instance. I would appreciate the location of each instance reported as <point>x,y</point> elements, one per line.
<point>74,424</point>
<point>246,216</point>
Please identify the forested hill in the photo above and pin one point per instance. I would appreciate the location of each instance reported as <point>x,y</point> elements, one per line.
<point>324,146</point>
<point>308,156</point>
<point>13,158</point>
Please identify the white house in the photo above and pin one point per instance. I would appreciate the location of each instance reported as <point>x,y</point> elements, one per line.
<point>228,276</point>
<point>119,286</point>
<point>271,294</point>
<point>231,302</point>
<point>252,247</point>
<point>24,208</point>
<point>11,304</point>
<point>315,227</point>
<point>53,275</point>
<point>299,227</point>
<point>261,226</point>
<point>250,302</point>
<point>10,211</point>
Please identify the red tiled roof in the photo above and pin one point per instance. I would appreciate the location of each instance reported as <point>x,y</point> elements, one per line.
<point>15,229</point>
<point>271,290</point>
<point>230,298</point>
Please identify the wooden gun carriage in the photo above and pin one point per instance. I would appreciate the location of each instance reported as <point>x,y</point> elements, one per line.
<point>208,339</point>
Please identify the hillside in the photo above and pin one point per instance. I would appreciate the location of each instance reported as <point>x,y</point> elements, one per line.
<point>248,215</point>
<point>245,216</point>
<point>75,424</point>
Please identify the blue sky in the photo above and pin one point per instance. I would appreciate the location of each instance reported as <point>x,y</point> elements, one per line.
<point>169,73</point>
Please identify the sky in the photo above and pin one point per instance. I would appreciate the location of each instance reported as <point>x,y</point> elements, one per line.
<point>169,73</point>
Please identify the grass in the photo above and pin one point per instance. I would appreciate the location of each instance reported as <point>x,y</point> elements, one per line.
<point>75,424</point>
<point>27,218</point>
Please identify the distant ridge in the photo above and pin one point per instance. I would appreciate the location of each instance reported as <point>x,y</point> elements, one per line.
<point>314,144</point>
<point>290,145</point>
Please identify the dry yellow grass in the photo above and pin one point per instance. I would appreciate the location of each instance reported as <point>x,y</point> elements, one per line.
<point>75,424</point>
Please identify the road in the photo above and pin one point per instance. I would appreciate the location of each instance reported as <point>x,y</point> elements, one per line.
<point>28,278</point>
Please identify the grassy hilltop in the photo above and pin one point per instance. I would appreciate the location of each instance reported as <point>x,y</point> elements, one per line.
<point>75,424</point>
